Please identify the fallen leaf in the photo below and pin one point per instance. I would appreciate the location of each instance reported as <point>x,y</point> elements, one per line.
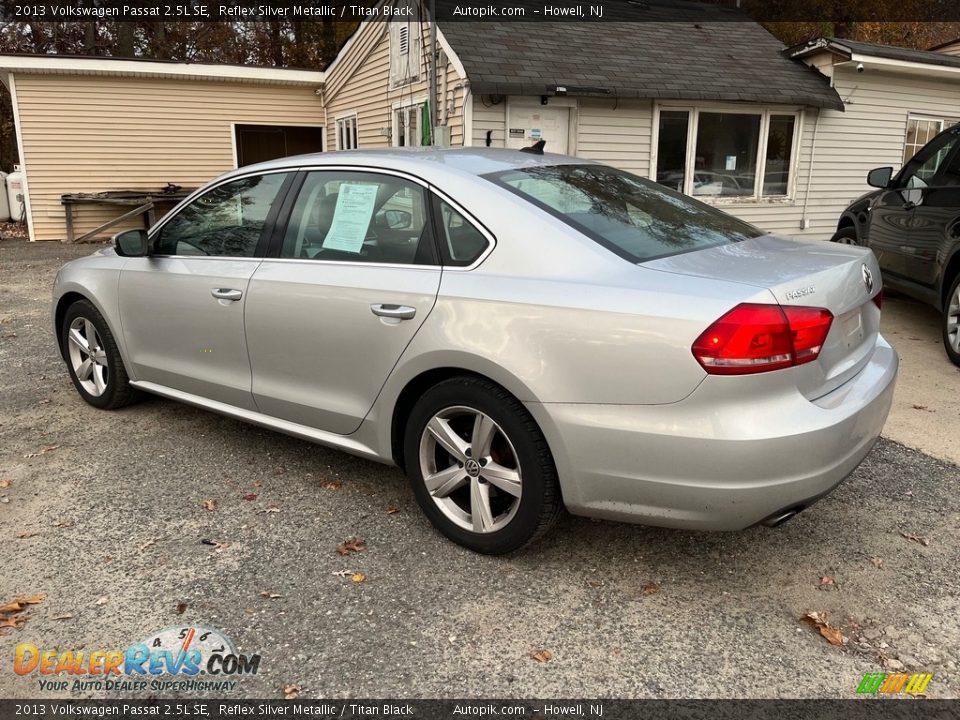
<point>5,483</point>
<point>651,588</point>
<point>921,407</point>
<point>102,601</point>
<point>13,622</point>
<point>543,656</point>
<point>291,692</point>
<point>181,608</point>
<point>271,509</point>
<point>916,538</point>
<point>9,336</point>
<point>210,504</point>
<point>64,524</point>
<point>352,545</point>
<point>147,544</point>
<point>270,595</point>
<point>391,509</point>
<point>331,484</point>
<point>343,573</point>
<point>827,580</point>
<point>25,535</point>
<point>44,402</point>
<point>250,497</point>
<point>830,633</point>
<point>65,616</point>
<point>217,545</point>
<point>358,577</point>
<point>877,562</point>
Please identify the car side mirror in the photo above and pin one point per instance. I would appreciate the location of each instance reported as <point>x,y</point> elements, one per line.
<point>880,177</point>
<point>398,219</point>
<point>131,243</point>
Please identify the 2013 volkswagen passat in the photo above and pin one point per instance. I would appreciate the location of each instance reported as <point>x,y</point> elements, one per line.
<point>519,332</point>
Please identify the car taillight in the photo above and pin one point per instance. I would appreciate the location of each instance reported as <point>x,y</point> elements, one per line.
<point>755,338</point>
<point>878,299</point>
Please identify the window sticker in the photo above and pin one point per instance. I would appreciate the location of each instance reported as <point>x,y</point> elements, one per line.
<point>351,218</point>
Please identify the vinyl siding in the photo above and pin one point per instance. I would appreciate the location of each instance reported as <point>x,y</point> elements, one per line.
<point>96,133</point>
<point>360,83</point>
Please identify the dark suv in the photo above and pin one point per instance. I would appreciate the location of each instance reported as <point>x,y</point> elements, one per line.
<point>912,224</point>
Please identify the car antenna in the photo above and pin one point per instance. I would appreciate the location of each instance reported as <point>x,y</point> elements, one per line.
<point>536,148</point>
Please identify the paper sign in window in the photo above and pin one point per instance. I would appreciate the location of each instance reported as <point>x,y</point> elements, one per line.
<point>351,218</point>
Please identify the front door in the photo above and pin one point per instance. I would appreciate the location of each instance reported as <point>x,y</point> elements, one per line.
<point>356,276</point>
<point>528,123</point>
<point>909,221</point>
<point>182,307</point>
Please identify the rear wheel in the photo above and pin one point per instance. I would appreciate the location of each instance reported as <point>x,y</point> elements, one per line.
<point>480,467</point>
<point>951,322</point>
<point>93,359</point>
<point>847,235</point>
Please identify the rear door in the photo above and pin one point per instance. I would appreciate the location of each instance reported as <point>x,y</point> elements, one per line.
<point>354,277</point>
<point>182,307</point>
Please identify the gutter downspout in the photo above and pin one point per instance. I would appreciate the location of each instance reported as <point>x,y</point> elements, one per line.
<point>804,220</point>
<point>432,12</point>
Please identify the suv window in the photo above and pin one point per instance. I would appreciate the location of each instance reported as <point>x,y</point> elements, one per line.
<point>359,217</point>
<point>935,165</point>
<point>227,220</point>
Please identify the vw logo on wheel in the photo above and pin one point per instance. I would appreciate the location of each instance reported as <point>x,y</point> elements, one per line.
<point>472,467</point>
<point>867,278</point>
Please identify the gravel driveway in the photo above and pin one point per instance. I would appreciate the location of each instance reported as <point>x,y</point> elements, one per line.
<point>104,514</point>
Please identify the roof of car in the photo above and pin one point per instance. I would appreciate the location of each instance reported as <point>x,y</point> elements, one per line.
<point>461,161</point>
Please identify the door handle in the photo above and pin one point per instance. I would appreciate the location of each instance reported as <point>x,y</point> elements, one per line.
<point>400,312</point>
<point>226,294</point>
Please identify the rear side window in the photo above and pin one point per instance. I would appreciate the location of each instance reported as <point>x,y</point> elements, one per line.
<point>226,221</point>
<point>461,243</point>
<point>635,218</point>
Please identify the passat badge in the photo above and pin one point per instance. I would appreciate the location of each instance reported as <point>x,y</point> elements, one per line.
<point>867,278</point>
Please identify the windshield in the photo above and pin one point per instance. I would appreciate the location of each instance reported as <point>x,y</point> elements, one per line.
<point>635,218</point>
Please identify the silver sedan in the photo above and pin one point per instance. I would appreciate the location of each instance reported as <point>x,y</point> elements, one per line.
<point>519,332</point>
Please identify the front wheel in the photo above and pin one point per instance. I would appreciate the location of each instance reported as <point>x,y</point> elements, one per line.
<point>846,235</point>
<point>480,467</point>
<point>93,359</point>
<point>951,322</point>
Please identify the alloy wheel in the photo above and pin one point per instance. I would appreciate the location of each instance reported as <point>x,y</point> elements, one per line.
<point>470,469</point>
<point>953,320</point>
<point>88,357</point>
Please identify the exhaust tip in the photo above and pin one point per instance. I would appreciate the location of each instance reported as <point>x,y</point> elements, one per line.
<point>778,519</point>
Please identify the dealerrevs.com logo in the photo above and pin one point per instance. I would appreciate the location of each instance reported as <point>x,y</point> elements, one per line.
<point>173,659</point>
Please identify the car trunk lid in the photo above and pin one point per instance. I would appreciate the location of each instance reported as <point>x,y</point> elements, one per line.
<point>841,278</point>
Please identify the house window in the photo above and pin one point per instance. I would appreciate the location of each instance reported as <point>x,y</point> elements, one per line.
<point>718,153</point>
<point>408,126</point>
<point>921,130</point>
<point>347,133</point>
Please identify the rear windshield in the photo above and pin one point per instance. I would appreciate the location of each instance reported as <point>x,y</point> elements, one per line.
<point>635,218</point>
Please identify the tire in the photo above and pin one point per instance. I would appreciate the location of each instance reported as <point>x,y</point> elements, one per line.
<point>950,324</point>
<point>512,478</point>
<point>847,235</point>
<point>97,370</point>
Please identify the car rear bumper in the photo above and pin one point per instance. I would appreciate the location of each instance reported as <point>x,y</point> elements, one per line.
<point>717,460</point>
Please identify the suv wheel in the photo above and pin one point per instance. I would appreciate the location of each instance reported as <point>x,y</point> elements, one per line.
<point>846,235</point>
<point>951,322</point>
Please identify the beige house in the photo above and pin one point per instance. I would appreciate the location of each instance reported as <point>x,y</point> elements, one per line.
<point>91,125</point>
<point>716,109</point>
